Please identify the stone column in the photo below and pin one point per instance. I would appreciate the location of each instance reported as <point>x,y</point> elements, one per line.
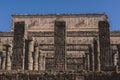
<point>91,58</point>
<point>115,57</point>
<point>1,50</point>
<point>42,61</point>
<point>98,57</point>
<point>18,56</point>
<point>3,60</point>
<point>60,45</point>
<point>84,62</point>
<point>87,60</point>
<point>35,57</point>
<point>114,54</point>
<point>118,64</point>
<point>96,54</point>
<point>93,55</point>
<point>8,56</point>
<point>39,61</point>
<point>104,43</point>
<point>30,53</point>
<point>0,58</point>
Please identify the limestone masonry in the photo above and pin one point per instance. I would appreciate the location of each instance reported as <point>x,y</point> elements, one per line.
<point>60,42</point>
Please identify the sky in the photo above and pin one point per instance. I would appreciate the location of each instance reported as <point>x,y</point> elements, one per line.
<point>9,7</point>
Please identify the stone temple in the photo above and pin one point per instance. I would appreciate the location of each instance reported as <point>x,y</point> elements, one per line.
<point>61,44</point>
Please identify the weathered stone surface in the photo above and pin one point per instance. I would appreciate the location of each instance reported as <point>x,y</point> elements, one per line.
<point>118,46</point>
<point>105,52</point>
<point>30,53</point>
<point>3,60</point>
<point>19,46</point>
<point>60,45</point>
<point>8,56</point>
<point>96,49</point>
<point>41,61</point>
<point>74,22</point>
<point>35,56</point>
<point>78,43</point>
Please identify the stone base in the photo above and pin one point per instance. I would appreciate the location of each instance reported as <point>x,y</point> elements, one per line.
<point>34,75</point>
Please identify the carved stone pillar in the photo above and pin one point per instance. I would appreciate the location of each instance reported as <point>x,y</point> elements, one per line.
<point>42,61</point>
<point>84,62</point>
<point>96,54</point>
<point>115,56</point>
<point>1,50</point>
<point>87,60</point>
<point>105,51</point>
<point>3,60</point>
<point>91,58</point>
<point>0,58</point>
<point>35,57</point>
<point>118,47</point>
<point>18,56</point>
<point>60,45</point>
<point>93,55</point>
<point>8,56</point>
<point>30,53</point>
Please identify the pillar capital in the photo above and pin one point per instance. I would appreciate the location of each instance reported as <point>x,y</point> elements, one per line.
<point>36,44</point>
<point>104,24</point>
<point>30,38</point>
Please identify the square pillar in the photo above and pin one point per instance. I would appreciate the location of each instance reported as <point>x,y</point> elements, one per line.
<point>19,46</point>
<point>87,60</point>
<point>104,43</point>
<point>60,45</point>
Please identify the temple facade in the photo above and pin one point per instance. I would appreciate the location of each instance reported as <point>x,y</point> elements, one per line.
<point>60,42</point>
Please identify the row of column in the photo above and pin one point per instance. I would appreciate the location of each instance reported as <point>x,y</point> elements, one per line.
<point>99,56</point>
<point>5,57</point>
<point>92,60</point>
<point>92,57</point>
<point>35,58</point>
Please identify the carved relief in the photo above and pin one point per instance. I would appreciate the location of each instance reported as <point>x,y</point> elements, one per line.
<point>41,24</point>
<point>80,23</point>
<point>115,40</point>
<point>33,24</point>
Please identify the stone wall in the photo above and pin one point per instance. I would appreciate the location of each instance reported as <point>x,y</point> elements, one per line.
<point>74,22</point>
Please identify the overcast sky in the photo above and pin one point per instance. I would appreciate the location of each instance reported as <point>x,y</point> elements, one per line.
<point>9,7</point>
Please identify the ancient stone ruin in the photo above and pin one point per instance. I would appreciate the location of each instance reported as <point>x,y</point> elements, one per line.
<point>60,47</point>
